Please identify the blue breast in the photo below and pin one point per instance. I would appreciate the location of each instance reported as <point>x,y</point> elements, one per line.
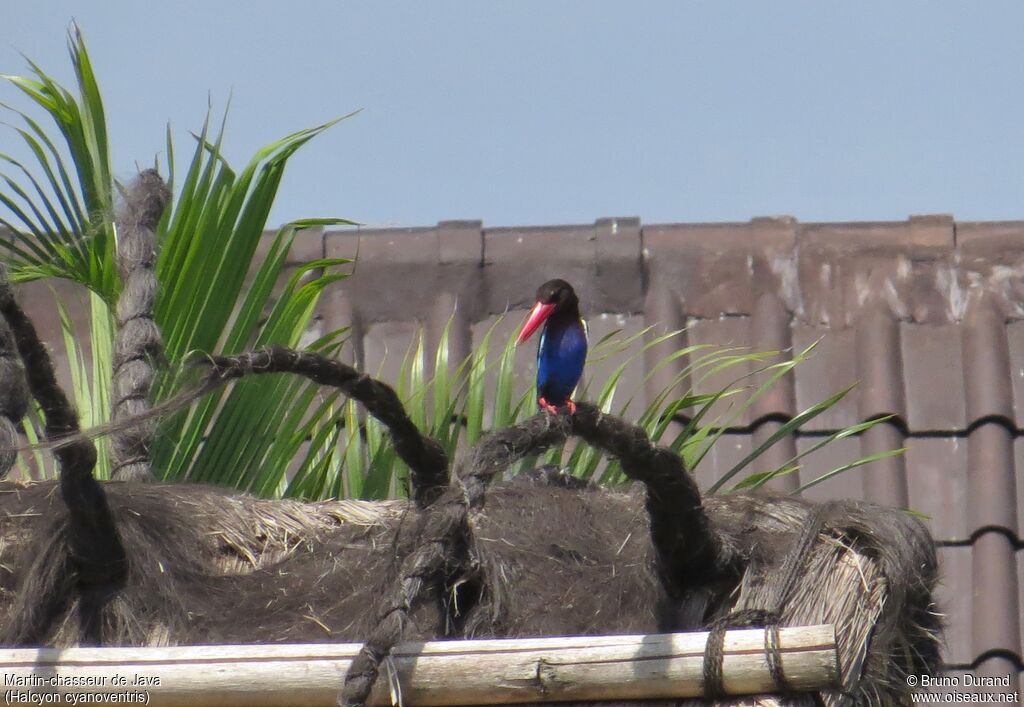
<point>560,357</point>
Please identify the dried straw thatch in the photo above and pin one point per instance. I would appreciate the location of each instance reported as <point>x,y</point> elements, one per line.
<point>214,567</point>
<point>130,563</point>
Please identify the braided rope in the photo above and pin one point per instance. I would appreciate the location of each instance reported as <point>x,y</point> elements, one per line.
<point>13,395</point>
<point>425,458</point>
<point>138,342</point>
<point>769,618</point>
<point>680,531</point>
<point>94,547</point>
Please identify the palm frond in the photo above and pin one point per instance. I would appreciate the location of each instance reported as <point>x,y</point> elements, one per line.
<point>60,212</point>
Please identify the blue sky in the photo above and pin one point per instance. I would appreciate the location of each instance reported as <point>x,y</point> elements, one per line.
<point>563,112</point>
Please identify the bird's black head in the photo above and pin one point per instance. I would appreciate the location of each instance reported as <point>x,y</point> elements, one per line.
<point>559,293</point>
<point>556,302</point>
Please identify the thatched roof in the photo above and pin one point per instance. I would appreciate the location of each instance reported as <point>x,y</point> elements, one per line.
<point>211,566</point>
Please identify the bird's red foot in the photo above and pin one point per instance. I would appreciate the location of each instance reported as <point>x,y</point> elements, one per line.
<point>553,409</point>
<point>544,405</point>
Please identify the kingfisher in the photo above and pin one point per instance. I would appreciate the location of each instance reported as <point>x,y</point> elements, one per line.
<point>563,344</point>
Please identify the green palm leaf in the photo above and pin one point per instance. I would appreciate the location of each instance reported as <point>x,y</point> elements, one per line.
<point>61,216</point>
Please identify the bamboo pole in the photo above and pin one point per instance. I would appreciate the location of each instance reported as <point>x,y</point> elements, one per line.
<point>434,673</point>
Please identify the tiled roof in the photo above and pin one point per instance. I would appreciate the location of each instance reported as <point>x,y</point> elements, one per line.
<point>927,314</point>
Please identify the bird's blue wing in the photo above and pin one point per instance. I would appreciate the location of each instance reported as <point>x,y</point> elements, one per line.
<point>543,369</point>
<point>560,358</point>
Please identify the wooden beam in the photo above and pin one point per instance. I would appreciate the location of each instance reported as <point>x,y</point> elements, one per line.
<point>434,673</point>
